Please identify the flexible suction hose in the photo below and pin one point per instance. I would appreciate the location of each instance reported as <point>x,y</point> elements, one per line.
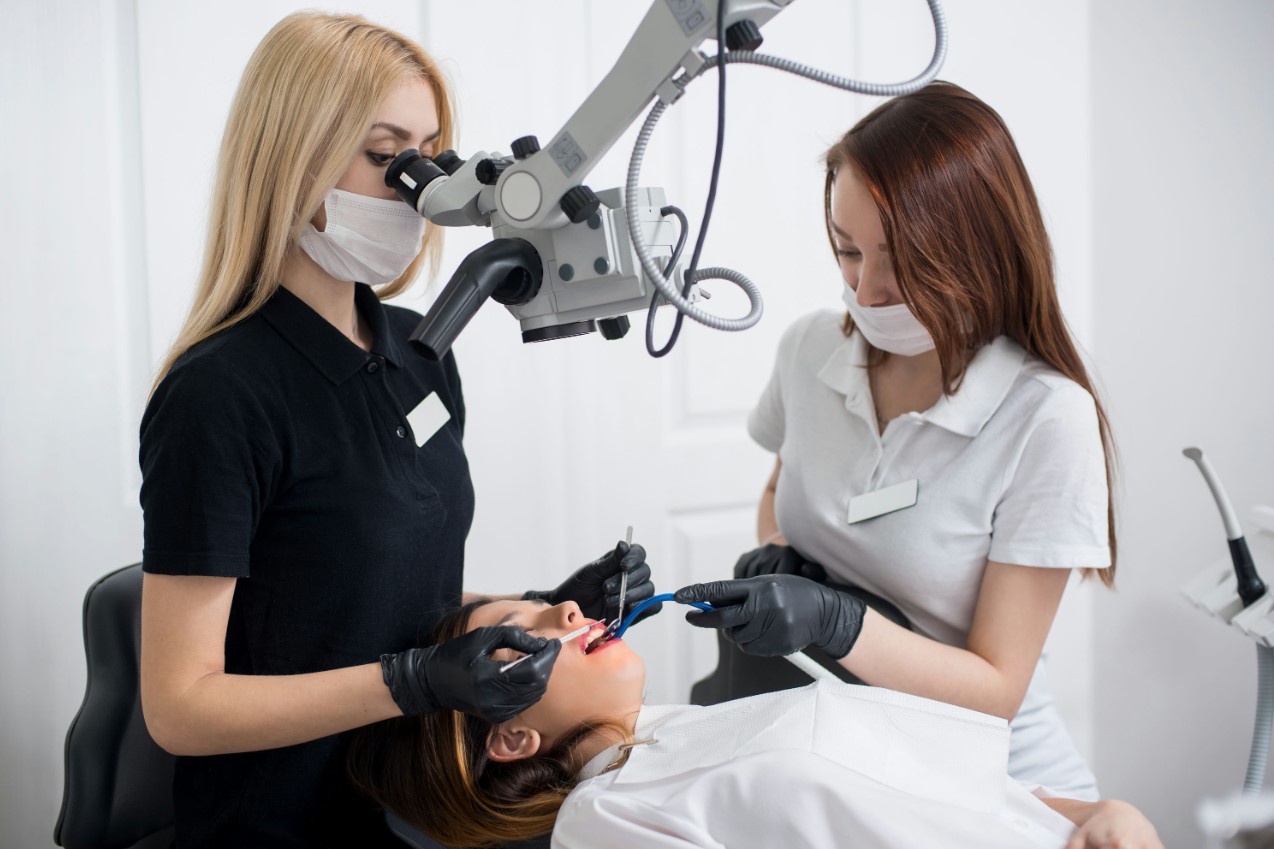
<point>665,285</point>
<point>1264,721</point>
<point>799,659</point>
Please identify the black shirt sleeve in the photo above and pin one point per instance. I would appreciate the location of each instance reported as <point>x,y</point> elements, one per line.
<point>209,463</point>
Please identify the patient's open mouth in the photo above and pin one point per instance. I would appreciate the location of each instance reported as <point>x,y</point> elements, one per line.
<point>595,638</point>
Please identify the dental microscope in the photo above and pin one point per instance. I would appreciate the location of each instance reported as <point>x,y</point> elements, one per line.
<point>566,260</point>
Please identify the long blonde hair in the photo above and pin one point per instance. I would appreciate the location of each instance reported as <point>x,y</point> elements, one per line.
<point>304,106</point>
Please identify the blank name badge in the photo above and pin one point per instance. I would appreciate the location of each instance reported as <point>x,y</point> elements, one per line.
<point>869,505</point>
<point>429,415</point>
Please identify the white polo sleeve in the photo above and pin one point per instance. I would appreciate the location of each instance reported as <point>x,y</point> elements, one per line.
<point>767,421</point>
<point>1053,512</point>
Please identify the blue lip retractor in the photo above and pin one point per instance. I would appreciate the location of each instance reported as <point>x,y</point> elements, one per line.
<point>636,611</point>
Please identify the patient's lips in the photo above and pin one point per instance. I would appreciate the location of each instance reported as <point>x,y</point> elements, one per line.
<point>594,639</point>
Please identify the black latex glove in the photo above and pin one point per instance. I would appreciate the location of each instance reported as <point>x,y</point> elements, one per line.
<point>774,559</point>
<point>778,614</point>
<point>461,675</point>
<point>595,587</point>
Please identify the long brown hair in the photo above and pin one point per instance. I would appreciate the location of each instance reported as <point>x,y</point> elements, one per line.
<point>966,237</point>
<point>433,771</point>
<point>303,107</point>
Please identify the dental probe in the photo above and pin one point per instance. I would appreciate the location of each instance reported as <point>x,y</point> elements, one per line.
<point>799,659</point>
<point>623,575</point>
<point>623,593</point>
<point>564,639</point>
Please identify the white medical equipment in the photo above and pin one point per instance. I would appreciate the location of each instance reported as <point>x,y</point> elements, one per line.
<point>566,260</point>
<point>1233,592</point>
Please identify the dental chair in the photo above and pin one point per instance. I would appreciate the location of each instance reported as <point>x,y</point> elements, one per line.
<point>739,675</point>
<point>117,790</point>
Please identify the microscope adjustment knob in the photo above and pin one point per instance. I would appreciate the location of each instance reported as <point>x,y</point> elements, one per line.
<point>489,170</point>
<point>448,161</point>
<point>525,146</point>
<point>743,35</point>
<point>579,203</point>
<point>614,328</point>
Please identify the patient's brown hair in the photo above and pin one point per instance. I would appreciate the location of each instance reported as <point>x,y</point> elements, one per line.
<point>433,771</point>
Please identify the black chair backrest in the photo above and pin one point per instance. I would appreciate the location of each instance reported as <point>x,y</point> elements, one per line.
<point>118,784</point>
<point>740,675</point>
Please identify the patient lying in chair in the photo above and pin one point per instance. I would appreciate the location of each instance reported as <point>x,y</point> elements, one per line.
<point>830,764</point>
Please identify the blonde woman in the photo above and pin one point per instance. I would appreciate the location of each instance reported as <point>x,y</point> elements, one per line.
<point>305,491</point>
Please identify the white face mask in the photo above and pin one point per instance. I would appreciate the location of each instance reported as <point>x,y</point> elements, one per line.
<point>367,239</point>
<point>894,329</point>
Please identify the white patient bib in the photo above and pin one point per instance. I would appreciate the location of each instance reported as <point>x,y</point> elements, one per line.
<point>827,765</point>
<point>922,747</point>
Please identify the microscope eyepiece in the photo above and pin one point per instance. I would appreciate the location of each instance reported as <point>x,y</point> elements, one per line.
<point>409,173</point>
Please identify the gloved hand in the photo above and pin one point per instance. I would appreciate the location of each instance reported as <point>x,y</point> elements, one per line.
<point>595,587</point>
<point>778,614</point>
<point>776,559</point>
<point>461,675</point>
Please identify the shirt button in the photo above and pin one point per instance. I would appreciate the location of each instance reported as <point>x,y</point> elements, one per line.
<point>372,367</point>
<point>401,432</point>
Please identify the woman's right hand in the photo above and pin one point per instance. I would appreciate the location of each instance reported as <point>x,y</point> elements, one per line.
<point>460,674</point>
<point>777,615</point>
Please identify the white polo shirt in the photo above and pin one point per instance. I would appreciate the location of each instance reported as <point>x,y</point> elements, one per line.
<point>1010,468</point>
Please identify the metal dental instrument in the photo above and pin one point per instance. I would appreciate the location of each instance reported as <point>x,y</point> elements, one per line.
<point>623,576</point>
<point>564,639</point>
<point>623,592</point>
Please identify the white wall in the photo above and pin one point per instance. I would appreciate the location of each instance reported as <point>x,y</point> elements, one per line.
<point>127,97</point>
<point>71,321</point>
<point>1183,294</point>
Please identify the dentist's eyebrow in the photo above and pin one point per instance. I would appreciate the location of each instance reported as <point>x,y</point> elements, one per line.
<point>402,134</point>
<point>393,128</point>
<point>881,247</point>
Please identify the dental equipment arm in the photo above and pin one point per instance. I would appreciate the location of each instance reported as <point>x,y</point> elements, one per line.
<point>1250,585</point>
<point>1216,598</point>
<point>600,255</point>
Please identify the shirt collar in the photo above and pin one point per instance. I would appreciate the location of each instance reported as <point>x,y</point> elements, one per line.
<point>649,719</point>
<point>322,344</point>
<point>987,381</point>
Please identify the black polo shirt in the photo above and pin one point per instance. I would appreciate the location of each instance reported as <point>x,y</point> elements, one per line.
<point>280,453</point>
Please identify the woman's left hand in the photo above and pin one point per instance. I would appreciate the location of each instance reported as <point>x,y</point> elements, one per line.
<point>595,586</point>
<point>1115,825</point>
